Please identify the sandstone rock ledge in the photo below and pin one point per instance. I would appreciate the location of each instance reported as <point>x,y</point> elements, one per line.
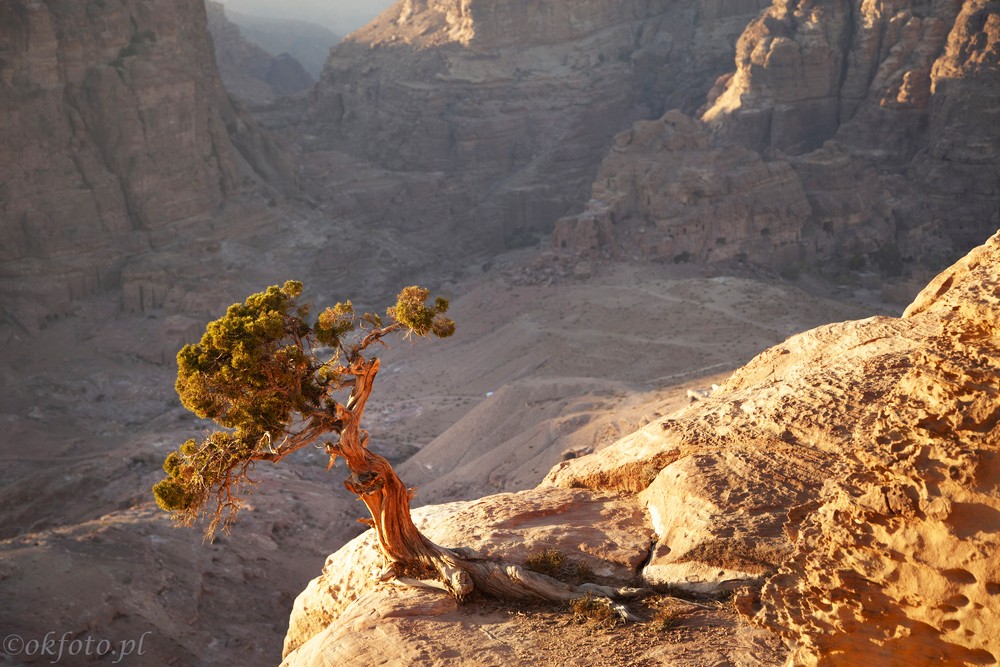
<point>845,482</point>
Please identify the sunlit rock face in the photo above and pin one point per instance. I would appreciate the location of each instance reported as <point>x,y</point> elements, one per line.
<point>843,484</point>
<point>898,563</point>
<point>113,127</point>
<point>884,116</point>
<point>515,102</point>
<point>853,471</point>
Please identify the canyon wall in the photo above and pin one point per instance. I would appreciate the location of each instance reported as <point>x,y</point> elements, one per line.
<point>513,103</point>
<point>863,132</point>
<point>884,116</point>
<point>114,126</point>
<point>858,133</point>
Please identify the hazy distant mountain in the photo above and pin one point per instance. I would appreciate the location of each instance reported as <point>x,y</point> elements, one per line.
<point>340,16</point>
<point>249,71</point>
<point>309,43</point>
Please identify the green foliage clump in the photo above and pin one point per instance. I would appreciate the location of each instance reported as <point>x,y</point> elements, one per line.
<point>411,310</point>
<point>335,323</point>
<point>172,495</point>
<point>257,374</point>
<point>549,562</point>
<point>197,473</point>
<point>251,369</point>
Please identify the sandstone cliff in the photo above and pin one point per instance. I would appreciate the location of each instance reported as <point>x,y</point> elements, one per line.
<point>883,116</point>
<point>843,481</point>
<point>113,127</point>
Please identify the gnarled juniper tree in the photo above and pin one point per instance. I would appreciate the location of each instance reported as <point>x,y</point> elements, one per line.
<point>276,381</point>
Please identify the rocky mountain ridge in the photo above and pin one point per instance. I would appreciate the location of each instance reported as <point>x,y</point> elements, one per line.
<point>851,130</point>
<point>511,104</point>
<point>479,126</point>
<point>308,43</point>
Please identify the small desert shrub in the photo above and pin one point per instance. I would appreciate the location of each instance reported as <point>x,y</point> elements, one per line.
<point>889,260</point>
<point>593,608</point>
<point>554,563</point>
<point>667,613</point>
<point>547,562</point>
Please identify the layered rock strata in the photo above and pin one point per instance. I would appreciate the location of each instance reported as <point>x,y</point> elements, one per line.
<point>885,114</point>
<point>113,126</point>
<point>844,482</point>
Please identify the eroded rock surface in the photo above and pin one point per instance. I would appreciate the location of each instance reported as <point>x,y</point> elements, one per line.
<point>844,481</point>
<point>899,561</point>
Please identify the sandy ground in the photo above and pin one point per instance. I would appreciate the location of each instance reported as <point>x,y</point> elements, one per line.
<point>548,362</point>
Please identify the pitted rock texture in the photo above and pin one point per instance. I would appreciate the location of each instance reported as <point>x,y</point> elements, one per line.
<point>881,435</point>
<point>884,116</point>
<point>843,482</point>
<point>899,564</point>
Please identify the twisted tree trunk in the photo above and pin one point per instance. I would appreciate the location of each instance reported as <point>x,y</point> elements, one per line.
<point>411,556</point>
